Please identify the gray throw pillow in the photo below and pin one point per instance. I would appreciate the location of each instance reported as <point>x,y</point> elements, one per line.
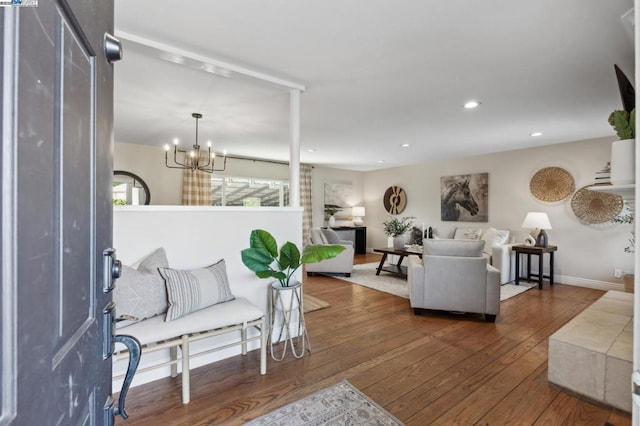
<point>331,236</point>
<point>192,290</point>
<point>140,293</point>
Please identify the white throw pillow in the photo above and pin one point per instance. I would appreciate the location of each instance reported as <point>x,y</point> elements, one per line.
<point>494,237</point>
<point>192,290</point>
<point>467,234</point>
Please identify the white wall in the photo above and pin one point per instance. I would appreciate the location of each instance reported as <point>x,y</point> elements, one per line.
<point>584,252</point>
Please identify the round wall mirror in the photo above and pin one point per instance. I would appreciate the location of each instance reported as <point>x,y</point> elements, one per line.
<point>129,189</point>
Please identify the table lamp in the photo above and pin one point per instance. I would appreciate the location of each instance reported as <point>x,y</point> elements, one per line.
<point>357,213</point>
<point>539,221</point>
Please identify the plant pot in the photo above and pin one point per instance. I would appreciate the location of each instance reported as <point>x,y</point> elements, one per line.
<point>398,242</point>
<point>628,280</point>
<point>623,157</point>
<point>286,298</point>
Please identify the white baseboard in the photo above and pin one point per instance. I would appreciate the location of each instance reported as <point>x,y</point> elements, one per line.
<point>583,282</point>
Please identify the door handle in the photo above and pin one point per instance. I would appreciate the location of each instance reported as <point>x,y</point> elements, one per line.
<point>112,48</point>
<point>112,269</point>
<point>133,345</point>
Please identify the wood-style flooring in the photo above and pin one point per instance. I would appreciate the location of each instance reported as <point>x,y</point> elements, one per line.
<point>430,369</point>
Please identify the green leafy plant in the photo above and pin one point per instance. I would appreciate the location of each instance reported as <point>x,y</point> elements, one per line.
<point>627,218</point>
<point>263,257</point>
<point>395,227</point>
<point>623,123</point>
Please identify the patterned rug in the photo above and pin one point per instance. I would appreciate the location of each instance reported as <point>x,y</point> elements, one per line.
<point>365,275</point>
<point>341,404</point>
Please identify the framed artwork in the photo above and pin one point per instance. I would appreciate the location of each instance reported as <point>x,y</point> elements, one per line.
<point>336,200</point>
<point>464,198</point>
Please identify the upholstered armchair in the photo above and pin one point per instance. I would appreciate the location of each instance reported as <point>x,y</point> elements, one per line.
<point>454,276</point>
<point>341,264</point>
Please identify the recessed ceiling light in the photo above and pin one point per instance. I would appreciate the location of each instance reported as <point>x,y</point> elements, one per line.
<point>471,104</point>
<point>536,134</point>
<point>380,161</point>
<point>311,150</point>
<point>405,145</point>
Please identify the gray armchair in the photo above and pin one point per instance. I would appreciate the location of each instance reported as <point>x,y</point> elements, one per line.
<point>341,264</point>
<point>453,276</point>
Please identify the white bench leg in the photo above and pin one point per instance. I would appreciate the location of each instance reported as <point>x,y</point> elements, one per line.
<point>173,353</point>
<point>243,336</point>
<point>186,394</point>
<point>263,346</point>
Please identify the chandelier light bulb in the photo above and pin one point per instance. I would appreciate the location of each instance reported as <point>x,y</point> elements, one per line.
<point>224,153</point>
<point>209,144</point>
<point>175,141</point>
<point>166,147</point>
<point>192,154</point>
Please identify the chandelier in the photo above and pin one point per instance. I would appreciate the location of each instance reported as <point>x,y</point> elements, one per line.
<point>193,159</point>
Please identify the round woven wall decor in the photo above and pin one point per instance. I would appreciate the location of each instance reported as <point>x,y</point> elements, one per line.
<point>595,206</point>
<point>394,200</point>
<point>552,184</point>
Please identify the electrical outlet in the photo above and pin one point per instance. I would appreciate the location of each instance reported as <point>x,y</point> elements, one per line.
<point>617,273</point>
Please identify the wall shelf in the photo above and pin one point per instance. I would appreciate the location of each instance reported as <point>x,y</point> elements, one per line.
<point>628,192</point>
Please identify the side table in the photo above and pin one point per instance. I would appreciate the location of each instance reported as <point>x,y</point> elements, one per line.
<point>538,251</point>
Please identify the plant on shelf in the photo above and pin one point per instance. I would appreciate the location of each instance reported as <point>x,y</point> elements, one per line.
<point>627,218</point>
<point>263,257</point>
<point>623,123</point>
<point>395,227</point>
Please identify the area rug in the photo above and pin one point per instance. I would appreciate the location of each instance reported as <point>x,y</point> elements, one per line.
<point>341,404</point>
<point>313,303</point>
<point>365,275</point>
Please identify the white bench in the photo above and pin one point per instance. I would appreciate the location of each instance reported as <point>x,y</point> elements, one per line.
<point>593,353</point>
<point>155,334</point>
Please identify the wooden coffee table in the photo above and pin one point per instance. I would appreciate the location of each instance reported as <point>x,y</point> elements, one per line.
<point>396,269</point>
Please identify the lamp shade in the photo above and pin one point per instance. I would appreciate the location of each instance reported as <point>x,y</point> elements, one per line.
<point>538,220</point>
<point>357,211</point>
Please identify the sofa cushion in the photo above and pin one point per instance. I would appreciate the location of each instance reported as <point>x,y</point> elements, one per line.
<point>467,234</point>
<point>494,237</point>
<point>459,248</point>
<point>140,293</point>
<point>331,236</point>
<point>192,290</point>
<point>317,236</point>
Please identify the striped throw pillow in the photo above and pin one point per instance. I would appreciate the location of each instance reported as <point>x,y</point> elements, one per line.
<point>192,290</point>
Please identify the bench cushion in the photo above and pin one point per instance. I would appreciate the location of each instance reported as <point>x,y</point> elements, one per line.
<point>221,315</point>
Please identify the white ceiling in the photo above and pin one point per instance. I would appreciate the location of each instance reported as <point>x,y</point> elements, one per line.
<point>379,73</point>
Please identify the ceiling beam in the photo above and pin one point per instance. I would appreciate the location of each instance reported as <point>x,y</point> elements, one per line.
<point>263,76</point>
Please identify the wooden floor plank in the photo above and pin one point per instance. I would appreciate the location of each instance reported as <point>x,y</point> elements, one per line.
<point>434,368</point>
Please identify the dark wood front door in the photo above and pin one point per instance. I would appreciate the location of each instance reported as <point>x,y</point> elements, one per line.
<point>56,166</point>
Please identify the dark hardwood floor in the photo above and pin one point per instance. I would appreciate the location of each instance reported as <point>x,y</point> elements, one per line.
<point>430,369</point>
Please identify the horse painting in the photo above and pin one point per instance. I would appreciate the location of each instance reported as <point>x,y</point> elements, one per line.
<point>456,195</point>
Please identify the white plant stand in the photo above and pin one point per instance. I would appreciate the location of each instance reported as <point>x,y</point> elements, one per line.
<point>286,319</point>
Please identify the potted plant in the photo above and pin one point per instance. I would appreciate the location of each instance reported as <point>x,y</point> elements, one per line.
<point>263,257</point>
<point>627,218</point>
<point>623,150</point>
<point>396,228</point>
<point>331,209</point>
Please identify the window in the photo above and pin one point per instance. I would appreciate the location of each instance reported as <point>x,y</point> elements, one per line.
<point>249,192</point>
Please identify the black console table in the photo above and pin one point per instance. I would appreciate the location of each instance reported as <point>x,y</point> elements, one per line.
<point>359,236</point>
